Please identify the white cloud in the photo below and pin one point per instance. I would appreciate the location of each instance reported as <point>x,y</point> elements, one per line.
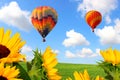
<point>56,51</point>
<point>84,52</point>
<point>98,51</point>
<point>74,39</point>
<point>27,50</point>
<point>69,54</point>
<point>12,14</point>
<point>109,34</point>
<point>108,19</point>
<point>104,6</point>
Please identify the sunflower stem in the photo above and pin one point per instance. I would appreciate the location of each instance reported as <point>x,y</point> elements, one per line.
<point>116,75</point>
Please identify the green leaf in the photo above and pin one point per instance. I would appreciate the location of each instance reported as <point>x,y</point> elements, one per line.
<point>29,66</point>
<point>112,71</point>
<point>23,74</point>
<point>37,59</point>
<point>37,62</point>
<point>34,73</point>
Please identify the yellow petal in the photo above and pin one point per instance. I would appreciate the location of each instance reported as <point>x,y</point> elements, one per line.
<point>52,71</point>
<point>55,77</point>
<point>117,56</point>
<point>86,75</point>
<point>103,55</point>
<point>47,51</point>
<point>81,76</point>
<point>7,70</point>
<point>69,78</point>
<point>111,56</point>
<point>21,44</point>
<point>52,64</point>
<point>15,79</point>
<point>1,34</point>
<point>16,44</point>
<point>76,75</point>
<point>50,59</point>
<point>6,37</point>
<point>1,67</point>
<point>99,78</point>
<point>14,74</point>
<point>13,40</point>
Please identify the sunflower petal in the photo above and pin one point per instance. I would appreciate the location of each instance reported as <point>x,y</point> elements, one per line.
<point>86,75</point>
<point>55,77</point>
<point>15,79</point>
<point>117,56</point>
<point>14,74</point>
<point>99,78</point>
<point>76,75</point>
<point>49,62</point>
<point>1,34</point>
<point>47,52</point>
<point>1,68</point>
<point>50,59</point>
<point>69,78</point>
<point>13,40</point>
<point>6,37</point>
<point>14,45</point>
<point>52,71</point>
<point>8,72</point>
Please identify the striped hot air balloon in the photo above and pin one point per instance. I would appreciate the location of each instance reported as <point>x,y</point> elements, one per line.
<point>44,19</point>
<point>93,18</point>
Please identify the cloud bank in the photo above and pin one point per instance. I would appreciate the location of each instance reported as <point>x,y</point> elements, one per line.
<point>27,50</point>
<point>109,35</point>
<point>104,6</point>
<point>83,53</point>
<point>13,15</point>
<point>74,39</point>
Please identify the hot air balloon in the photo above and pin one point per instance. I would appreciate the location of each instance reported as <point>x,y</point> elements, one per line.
<point>93,19</point>
<point>44,19</point>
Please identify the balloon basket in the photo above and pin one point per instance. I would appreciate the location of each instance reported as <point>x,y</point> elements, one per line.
<point>92,30</point>
<point>44,40</point>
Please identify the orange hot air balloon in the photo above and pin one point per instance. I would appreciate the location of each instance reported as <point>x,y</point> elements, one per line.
<point>93,19</point>
<point>44,19</point>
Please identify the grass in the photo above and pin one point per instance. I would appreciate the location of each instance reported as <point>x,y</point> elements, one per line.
<point>66,70</point>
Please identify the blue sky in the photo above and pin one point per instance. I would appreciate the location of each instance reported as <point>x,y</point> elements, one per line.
<point>71,38</point>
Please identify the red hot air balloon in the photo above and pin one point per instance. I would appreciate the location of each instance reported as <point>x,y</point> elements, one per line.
<point>44,19</point>
<point>93,19</point>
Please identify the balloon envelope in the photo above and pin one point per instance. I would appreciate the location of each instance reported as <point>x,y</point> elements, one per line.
<point>44,19</point>
<point>93,18</point>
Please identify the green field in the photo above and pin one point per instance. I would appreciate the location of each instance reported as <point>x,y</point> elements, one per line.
<point>66,70</point>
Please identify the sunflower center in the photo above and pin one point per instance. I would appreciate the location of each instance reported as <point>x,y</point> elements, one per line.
<point>4,52</point>
<point>3,78</point>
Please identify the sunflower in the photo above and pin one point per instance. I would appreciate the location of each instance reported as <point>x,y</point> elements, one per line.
<point>80,76</point>
<point>83,76</point>
<point>10,47</point>
<point>112,56</point>
<point>8,73</point>
<point>99,78</point>
<point>49,62</point>
<point>69,78</point>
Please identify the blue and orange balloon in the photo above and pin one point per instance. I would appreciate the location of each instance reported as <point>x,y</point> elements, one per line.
<point>93,19</point>
<point>44,19</point>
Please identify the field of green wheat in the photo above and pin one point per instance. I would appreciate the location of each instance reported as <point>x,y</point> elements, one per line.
<point>66,69</point>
